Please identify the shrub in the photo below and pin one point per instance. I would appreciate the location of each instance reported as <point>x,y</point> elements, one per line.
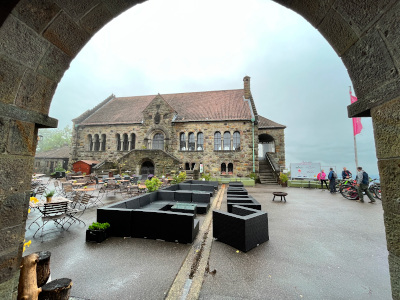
<point>283,177</point>
<point>179,178</point>
<point>50,194</point>
<point>153,184</point>
<point>99,226</point>
<point>206,177</point>
<point>253,176</point>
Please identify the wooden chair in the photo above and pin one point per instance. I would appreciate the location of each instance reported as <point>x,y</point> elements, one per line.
<point>55,212</point>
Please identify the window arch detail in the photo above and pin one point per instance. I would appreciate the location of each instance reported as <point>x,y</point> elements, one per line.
<point>217,141</point>
<point>227,140</point>
<point>236,140</point>
<point>200,141</point>
<point>191,142</point>
<point>182,141</point>
<point>158,141</point>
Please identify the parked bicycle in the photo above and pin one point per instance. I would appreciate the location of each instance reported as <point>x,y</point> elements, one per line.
<point>375,188</point>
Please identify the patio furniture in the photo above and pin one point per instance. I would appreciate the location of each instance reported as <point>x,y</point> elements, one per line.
<point>53,211</point>
<point>280,194</point>
<point>184,208</point>
<point>243,229</point>
<point>249,202</point>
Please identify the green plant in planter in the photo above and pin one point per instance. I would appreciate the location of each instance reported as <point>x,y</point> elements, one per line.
<point>153,184</point>
<point>50,194</point>
<point>99,226</point>
<point>283,178</point>
<point>97,232</point>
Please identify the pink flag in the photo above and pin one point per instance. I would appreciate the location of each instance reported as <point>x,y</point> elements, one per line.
<point>357,126</point>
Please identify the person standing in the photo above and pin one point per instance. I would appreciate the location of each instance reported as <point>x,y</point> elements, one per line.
<point>332,180</point>
<point>362,185</point>
<point>346,174</point>
<point>322,177</point>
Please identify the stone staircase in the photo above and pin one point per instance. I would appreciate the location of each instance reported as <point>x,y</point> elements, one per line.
<point>265,173</point>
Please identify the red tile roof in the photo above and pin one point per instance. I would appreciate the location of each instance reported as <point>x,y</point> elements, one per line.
<point>264,123</point>
<point>198,106</point>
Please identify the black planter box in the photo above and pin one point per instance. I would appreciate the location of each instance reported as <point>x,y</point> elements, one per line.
<point>96,236</point>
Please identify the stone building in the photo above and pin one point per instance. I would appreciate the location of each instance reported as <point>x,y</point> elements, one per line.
<point>47,161</point>
<point>217,132</point>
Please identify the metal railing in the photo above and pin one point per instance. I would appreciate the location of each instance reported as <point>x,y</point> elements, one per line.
<point>275,168</point>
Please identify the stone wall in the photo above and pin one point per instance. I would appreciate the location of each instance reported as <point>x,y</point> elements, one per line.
<point>242,159</point>
<point>43,165</point>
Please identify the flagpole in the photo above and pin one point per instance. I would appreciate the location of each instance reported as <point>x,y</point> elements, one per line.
<point>354,136</point>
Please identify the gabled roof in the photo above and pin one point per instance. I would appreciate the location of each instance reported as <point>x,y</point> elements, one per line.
<point>62,152</point>
<point>198,106</point>
<point>89,162</point>
<point>264,123</point>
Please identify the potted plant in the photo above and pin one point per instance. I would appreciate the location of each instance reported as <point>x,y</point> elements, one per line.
<point>49,195</point>
<point>97,232</point>
<point>284,179</point>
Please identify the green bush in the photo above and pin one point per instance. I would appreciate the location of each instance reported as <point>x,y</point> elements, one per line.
<point>153,184</point>
<point>206,177</point>
<point>99,226</point>
<point>253,176</point>
<point>283,177</point>
<point>179,178</point>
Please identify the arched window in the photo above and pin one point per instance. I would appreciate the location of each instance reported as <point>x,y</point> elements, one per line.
<point>236,140</point>
<point>118,137</point>
<point>133,141</point>
<point>187,166</point>
<point>103,142</point>
<point>158,141</point>
<point>96,142</point>
<point>217,141</point>
<point>230,168</point>
<point>223,168</point>
<point>90,140</point>
<point>227,140</point>
<point>125,142</point>
<point>182,139</point>
<point>191,146</point>
<point>200,141</point>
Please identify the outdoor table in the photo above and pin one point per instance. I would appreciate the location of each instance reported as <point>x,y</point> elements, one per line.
<point>38,175</point>
<point>85,190</point>
<point>78,183</point>
<point>78,176</point>
<point>184,208</point>
<point>53,200</point>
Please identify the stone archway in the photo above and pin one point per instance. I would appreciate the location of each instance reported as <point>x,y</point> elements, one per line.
<point>39,39</point>
<point>147,168</point>
<point>266,143</point>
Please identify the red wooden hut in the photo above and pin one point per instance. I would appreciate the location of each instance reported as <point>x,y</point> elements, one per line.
<point>84,166</point>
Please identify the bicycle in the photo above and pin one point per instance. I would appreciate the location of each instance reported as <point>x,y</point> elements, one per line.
<point>375,188</point>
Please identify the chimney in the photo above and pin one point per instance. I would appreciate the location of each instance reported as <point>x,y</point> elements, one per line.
<point>246,81</point>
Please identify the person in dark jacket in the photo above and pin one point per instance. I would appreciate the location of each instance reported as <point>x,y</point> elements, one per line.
<point>346,174</point>
<point>332,181</point>
<point>362,185</point>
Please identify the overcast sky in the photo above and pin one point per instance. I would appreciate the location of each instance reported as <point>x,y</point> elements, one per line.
<point>190,45</point>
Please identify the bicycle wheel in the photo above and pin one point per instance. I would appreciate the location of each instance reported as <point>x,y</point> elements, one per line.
<point>377,192</point>
<point>349,192</point>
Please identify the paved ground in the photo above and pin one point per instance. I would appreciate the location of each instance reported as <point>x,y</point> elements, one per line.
<point>321,246</point>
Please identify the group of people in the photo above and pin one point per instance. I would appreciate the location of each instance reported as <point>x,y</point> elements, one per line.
<point>361,178</point>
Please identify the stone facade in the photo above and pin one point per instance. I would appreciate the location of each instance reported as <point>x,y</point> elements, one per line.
<point>192,143</point>
<point>46,162</point>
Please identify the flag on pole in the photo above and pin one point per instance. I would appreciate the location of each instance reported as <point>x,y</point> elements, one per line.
<point>357,126</point>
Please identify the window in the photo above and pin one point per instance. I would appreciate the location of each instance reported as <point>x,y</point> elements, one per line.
<point>223,168</point>
<point>133,141</point>
<point>182,139</point>
<point>187,166</point>
<point>236,140</point>
<point>230,168</point>
<point>96,142</point>
<point>103,142</point>
<point>118,142</point>
<point>191,145</point>
<point>158,141</point>
<point>227,140</point>
<point>217,141</point>
<point>200,141</point>
<point>125,142</point>
<point>90,142</point>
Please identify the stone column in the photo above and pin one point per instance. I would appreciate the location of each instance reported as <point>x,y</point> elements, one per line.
<point>386,122</point>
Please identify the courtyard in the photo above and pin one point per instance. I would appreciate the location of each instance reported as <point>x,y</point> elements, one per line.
<point>321,246</point>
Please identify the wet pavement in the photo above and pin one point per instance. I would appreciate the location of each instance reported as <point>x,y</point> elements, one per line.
<point>321,246</point>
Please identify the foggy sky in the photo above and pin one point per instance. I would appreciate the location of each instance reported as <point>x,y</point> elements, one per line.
<point>189,46</point>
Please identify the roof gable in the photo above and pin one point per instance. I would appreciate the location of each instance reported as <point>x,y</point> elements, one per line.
<point>264,123</point>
